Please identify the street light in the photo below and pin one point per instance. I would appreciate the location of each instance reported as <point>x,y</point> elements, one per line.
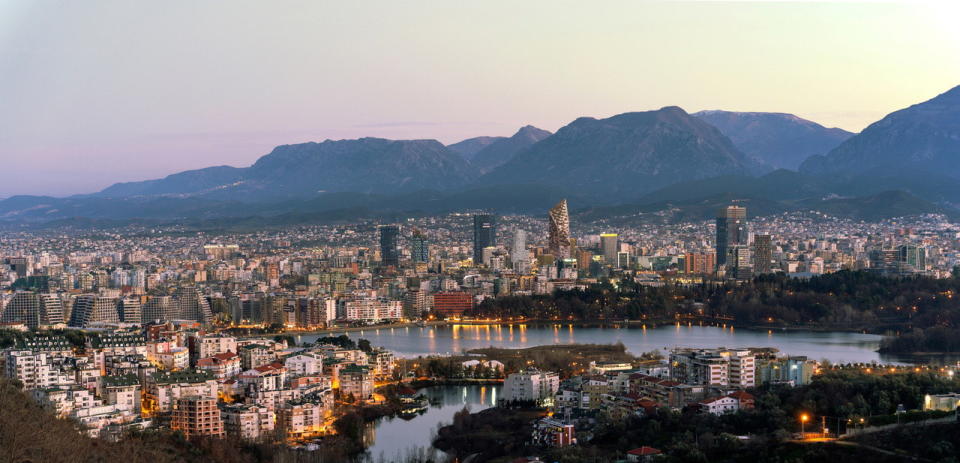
<point>803,420</point>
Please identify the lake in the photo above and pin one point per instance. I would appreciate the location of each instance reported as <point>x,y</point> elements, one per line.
<point>836,346</point>
<point>392,438</point>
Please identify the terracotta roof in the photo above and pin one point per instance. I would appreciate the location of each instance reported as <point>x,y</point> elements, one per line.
<point>644,451</point>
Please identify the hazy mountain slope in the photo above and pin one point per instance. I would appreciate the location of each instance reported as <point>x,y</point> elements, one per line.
<point>780,140</point>
<point>625,155</point>
<point>469,147</point>
<point>924,137</point>
<point>503,150</point>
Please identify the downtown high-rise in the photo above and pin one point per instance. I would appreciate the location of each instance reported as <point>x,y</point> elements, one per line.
<point>732,236</point>
<point>484,235</point>
<point>558,240</point>
<point>389,245</point>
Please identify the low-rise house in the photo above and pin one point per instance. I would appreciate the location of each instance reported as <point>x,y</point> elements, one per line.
<point>719,405</point>
<point>643,454</point>
<point>553,433</point>
<point>942,402</point>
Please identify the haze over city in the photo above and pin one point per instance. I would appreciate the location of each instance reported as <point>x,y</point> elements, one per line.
<point>101,92</point>
<point>479,232</point>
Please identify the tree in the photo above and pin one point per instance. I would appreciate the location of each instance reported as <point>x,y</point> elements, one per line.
<point>364,345</point>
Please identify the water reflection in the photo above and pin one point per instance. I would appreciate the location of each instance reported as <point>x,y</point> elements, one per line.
<point>838,347</point>
<point>392,438</point>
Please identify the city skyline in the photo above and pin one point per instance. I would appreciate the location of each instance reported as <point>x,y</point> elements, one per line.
<point>92,112</point>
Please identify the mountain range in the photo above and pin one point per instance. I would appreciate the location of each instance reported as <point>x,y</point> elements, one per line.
<point>923,140</point>
<point>782,141</point>
<point>666,158</point>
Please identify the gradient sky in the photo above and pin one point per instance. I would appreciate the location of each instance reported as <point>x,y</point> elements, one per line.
<point>95,92</point>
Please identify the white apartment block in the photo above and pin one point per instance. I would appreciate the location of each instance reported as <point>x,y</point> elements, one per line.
<point>530,385</point>
<point>373,310</point>
<point>714,367</point>
<point>249,422</point>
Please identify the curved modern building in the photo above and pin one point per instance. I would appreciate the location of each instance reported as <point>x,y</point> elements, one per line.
<point>559,237</point>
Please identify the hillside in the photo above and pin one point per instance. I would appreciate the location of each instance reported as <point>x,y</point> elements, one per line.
<point>625,155</point>
<point>780,140</point>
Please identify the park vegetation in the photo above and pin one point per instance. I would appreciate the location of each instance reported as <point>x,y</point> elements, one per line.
<point>838,398</point>
<point>847,300</point>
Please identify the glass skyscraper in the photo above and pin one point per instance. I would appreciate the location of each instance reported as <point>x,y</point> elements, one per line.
<point>389,240</point>
<point>732,231</point>
<point>420,248</point>
<point>484,235</point>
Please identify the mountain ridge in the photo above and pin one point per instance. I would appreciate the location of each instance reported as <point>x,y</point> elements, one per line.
<point>780,140</point>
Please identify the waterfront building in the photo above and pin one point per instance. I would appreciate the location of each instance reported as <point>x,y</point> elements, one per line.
<point>795,371</point>
<point>530,385</point>
<point>713,367</point>
<point>452,303</point>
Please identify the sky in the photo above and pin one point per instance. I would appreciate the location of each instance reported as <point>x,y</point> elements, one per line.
<point>98,92</point>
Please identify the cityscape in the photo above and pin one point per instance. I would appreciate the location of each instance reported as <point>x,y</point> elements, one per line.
<point>633,285</point>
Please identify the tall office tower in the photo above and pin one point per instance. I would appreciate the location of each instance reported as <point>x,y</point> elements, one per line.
<point>731,231</point>
<point>559,232</point>
<point>33,309</point>
<point>610,245</point>
<point>192,305</point>
<point>762,254</point>
<point>90,308</point>
<point>159,308</point>
<point>389,241</point>
<point>518,252</point>
<point>740,264</point>
<point>129,310</point>
<point>912,258</point>
<point>484,235</point>
<point>420,247</point>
